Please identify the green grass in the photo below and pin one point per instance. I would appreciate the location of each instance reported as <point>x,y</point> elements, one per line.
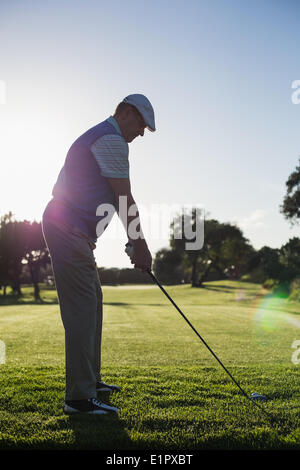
<point>174,393</point>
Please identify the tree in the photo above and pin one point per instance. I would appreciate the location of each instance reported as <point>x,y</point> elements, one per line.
<point>109,276</point>
<point>167,266</point>
<point>225,249</point>
<point>290,259</point>
<point>36,252</point>
<point>265,264</point>
<point>235,253</point>
<point>4,280</point>
<point>188,258</point>
<point>12,251</point>
<point>21,243</point>
<point>133,276</point>
<point>291,202</point>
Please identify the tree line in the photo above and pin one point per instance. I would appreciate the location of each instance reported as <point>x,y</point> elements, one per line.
<point>21,245</point>
<point>226,253</point>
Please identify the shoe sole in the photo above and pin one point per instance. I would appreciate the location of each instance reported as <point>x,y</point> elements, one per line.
<point>107,409</point>
<point>111,409</point>
<point>107,389</point>
<point>72,411</point>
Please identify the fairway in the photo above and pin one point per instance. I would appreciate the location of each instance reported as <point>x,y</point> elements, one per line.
<point>174,395</point>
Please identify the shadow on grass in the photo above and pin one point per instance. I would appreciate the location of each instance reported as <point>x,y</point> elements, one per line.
<point>218,290</point>
<point>105,432</point>
<point>133,303</point>
<point>34,399</point>
<point>224,288</point>
<point>14,300</point>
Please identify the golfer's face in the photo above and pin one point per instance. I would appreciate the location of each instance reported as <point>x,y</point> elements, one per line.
<point>135,125</point>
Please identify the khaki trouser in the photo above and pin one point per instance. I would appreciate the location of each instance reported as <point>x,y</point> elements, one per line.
<point>80,298</point>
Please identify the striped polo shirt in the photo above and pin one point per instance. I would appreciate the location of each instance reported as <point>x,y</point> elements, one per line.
<point>111,153</point>
<point>82,185</point>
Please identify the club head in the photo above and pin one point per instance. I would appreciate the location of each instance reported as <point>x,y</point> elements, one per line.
<point>258,397</point>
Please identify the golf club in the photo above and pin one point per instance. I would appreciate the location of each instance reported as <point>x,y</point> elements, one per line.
<point>254,396</point>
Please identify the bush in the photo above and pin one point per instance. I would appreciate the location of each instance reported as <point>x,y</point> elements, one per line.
<point>116,276</point>
<point>295,295</point>
<point>295,291</point>
<point>270,284</point>
<point>109,276</point>
<point>283,289</point>
<point>257,276</point>
<point>295,284</point>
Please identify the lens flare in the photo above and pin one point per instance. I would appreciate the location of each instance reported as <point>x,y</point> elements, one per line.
<point>266,317</point>
<point>269,316</point>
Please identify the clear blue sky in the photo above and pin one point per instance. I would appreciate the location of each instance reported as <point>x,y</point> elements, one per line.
<point>218,74</point>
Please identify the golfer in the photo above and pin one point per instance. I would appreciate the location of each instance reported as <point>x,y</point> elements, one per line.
<point>94,177</point>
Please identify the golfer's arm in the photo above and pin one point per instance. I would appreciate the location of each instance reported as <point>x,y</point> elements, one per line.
<point>122,187</point>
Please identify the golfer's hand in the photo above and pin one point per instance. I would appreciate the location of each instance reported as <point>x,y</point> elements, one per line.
<point>140,255</point>
<point>142,259</point>
<point>129,250</point>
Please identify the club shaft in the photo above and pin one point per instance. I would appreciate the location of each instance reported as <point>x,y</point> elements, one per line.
<point>199,336</point>
<point>208,347</point>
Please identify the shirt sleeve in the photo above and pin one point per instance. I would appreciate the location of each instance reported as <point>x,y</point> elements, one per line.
<point>111,154</point>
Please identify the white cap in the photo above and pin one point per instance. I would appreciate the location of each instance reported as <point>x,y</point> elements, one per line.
<point>143,105</point>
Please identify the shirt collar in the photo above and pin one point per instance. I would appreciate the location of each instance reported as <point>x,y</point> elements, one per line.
<point>112,121</point>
